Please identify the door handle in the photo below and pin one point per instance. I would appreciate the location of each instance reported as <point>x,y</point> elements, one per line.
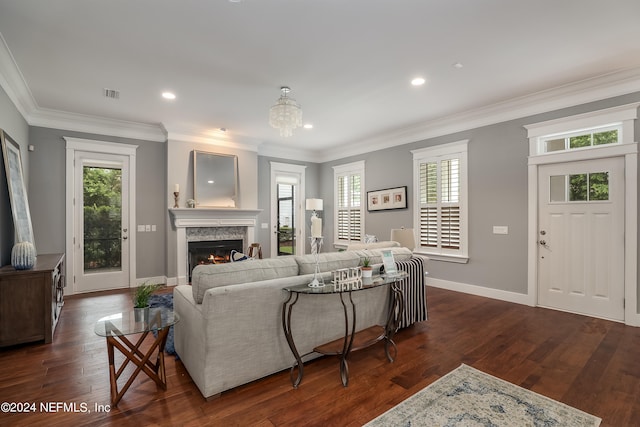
<point>124,237</point>
<point>543,242</point>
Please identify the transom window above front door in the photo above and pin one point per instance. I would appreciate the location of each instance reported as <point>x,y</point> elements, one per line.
<point>581,139</point>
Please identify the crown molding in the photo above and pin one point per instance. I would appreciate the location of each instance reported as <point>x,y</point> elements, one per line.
<point>97,125</point>
<point>597,88</point>
<point>13,82</point>
<point>220,140</point>
<point>292,153</point>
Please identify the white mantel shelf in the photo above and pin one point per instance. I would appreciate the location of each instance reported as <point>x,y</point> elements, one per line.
<point>211,217</point>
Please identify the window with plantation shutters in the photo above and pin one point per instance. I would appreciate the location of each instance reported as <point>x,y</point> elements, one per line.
<point>440,214</point>
<point>349,204</point>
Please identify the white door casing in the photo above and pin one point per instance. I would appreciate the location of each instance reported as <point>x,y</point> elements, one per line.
<point>80,153</point>
<point>627,149</point>
<point>581,243</point>
<point>294,174</point>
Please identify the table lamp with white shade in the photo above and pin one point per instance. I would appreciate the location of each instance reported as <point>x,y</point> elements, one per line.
<point>316,222</point>
<point>315,205</point>
<point>404,236</point>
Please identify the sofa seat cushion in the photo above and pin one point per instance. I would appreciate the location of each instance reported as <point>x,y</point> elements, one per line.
<point>328,261</point>
<point>214,275</point>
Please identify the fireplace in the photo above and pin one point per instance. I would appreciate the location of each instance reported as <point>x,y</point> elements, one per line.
<point>211,252</point>
<point>209,224</point>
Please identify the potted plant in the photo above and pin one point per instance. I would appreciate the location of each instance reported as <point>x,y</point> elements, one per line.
<point>366,268</point>
<point>141,296</point>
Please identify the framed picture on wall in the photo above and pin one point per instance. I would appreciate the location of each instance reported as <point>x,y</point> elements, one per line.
<point>17,189</point>
<point>389,198</point>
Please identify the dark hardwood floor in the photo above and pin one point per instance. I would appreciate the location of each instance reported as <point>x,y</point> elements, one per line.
<point>587,363</point>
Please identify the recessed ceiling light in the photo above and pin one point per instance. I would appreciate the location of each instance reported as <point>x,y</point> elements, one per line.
<point>458,65</point>
<point>308,126</point>
<point>418,81</point>
<point>168,95</point>
<point>223,129</point>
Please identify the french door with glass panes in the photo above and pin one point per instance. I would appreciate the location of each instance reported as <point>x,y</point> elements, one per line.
<point>102,228</point>
<point>287,214</point>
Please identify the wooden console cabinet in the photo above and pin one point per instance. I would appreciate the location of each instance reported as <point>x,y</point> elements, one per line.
<point>31,300</point>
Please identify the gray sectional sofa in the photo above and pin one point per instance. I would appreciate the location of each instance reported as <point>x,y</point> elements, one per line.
<point>230,329</point>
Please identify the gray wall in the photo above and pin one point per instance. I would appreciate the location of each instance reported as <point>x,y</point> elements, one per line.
<point>497,196</point>
<point>47,195</point>
<point>312,190</point>
<point>12,122</point>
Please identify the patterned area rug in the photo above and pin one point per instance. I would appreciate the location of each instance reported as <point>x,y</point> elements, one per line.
<point>165,300</point>
<point>468,397</point>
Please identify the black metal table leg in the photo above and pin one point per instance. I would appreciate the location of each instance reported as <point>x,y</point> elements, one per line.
<point>287,307</point>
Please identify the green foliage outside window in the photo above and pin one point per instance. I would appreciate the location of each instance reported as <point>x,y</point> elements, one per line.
<point>592,186</point>
<point>102,218</point>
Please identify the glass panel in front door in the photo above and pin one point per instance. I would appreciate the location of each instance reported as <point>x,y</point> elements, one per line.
<point>102,206</point>
<point>286,220</point>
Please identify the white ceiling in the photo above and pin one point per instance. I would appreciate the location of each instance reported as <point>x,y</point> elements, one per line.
<point>348,63</point>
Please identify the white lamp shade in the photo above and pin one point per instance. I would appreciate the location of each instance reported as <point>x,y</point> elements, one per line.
<point>404,236</point>
<point>314,204</point>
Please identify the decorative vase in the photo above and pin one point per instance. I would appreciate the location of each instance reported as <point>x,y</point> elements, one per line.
<point>23,256</point>
<point>141,314</point>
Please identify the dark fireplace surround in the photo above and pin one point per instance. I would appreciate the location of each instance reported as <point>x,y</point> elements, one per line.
<point>211,252</point>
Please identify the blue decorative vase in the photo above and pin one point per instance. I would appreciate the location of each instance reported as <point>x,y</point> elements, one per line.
<point>23,256</point>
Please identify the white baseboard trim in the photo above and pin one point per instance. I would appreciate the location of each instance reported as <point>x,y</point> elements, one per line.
<point>160,280</point>
<point>632,319</point>
<point>172,281</point>
<point>479,291</point>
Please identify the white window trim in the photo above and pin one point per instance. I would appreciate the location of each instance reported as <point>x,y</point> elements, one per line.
<point>625,116</point>
<point>459,148</point>
<point>348,169</point>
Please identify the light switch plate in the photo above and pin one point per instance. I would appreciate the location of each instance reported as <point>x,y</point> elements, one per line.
<point>500,229</point>
<point>141,228</point>
<point>147,227</point>
<point>265,225</point>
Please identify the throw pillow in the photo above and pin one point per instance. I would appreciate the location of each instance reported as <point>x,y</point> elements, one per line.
<point>237,256</point>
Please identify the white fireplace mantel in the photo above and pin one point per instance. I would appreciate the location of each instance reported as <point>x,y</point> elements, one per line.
<point>211,217</point>
<point>184,218</point>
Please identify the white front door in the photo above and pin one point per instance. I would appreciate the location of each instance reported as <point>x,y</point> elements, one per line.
<point>581,237</point>
<point>101,221</point>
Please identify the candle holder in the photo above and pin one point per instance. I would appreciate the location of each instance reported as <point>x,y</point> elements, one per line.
<point>176,196</point>
<point>316,245</point>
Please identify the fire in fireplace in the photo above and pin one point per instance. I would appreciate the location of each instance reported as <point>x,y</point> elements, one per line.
<point>211,252</point>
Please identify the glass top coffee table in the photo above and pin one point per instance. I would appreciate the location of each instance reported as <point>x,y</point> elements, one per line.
<point>116,327</point>
<point>352,340</point>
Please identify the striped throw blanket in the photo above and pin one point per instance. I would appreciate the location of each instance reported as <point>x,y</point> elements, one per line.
<point>415,297</point>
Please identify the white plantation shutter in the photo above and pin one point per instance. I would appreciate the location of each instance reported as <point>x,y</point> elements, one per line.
<point>441,194</point>
<point>349,204</point>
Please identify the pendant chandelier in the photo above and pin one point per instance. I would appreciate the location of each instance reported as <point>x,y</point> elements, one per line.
<point>286,114</point>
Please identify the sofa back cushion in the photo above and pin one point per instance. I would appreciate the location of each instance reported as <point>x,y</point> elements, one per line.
<point>213,275</point>
<point>328,261</point>
<point>375,255</point>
